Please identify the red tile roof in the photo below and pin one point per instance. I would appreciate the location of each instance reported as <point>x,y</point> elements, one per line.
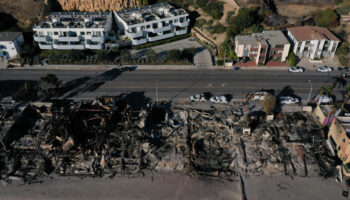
<point>305,33</point>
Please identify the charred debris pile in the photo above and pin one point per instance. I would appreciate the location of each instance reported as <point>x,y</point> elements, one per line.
<point>111,136</point>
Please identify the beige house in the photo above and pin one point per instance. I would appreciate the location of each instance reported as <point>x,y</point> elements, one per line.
<point>339,141</point>
<point>263,47</point>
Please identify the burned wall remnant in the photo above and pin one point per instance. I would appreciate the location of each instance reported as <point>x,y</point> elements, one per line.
<point>112,136</point>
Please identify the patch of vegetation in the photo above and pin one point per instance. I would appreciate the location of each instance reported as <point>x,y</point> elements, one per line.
<point>200,22</point>
<point>245,18</point>
<point>79,56</point>
<point>230,53</point>
<point>213,8</point>
<point>173,56</point>
<point>326,18</point>
<point>152,44</point>
<point>218,28</point>
<point>292,59</point>
<point>343,10</point>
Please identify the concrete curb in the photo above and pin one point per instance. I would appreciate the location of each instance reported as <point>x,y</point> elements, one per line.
<point>143,67</point>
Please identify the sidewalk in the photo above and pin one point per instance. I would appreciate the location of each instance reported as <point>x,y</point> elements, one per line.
<point>142,67</point>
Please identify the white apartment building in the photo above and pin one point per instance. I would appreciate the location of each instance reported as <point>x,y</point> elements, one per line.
<point>152,23</point>
<point>313,42</point>
<point>74,30</point>
<point>10,43</point>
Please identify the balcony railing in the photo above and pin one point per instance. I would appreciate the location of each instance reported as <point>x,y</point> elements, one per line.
<point>161,37</point>
<point>139,41</point>
<point>182,24</point>
<point>181,32</point>
<point>68,38</point>
<point>45,46</point>
<point>133,35</point>
<point>97,38</point>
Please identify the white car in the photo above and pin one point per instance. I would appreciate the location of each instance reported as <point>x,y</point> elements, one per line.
<point>324,69</point>
<point>323,99</point>
<point>296,69</point>
<point>288,100</point>
<point>259,96</point>
<point>218,99</point>
<point>198,97</point>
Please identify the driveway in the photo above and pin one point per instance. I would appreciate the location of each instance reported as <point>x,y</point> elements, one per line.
<point>312,66</point>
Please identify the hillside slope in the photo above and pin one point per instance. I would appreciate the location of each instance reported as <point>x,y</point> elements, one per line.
<point>97,5</point>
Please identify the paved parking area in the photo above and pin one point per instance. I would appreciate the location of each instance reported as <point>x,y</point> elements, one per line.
<point>312,66</point>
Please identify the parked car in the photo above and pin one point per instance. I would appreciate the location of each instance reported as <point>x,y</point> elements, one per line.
<point>323,99</point>
<point>296,69</point>
<point>345,69</point>
<point>288,100</point>
<point>198,97</point>
<point>218,99</point>
<point>259,96</point>
<point>325,69</point>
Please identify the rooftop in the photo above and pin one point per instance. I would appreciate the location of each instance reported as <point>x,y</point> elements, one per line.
<point>75,20</point>
<point>306,33</point>
<point>149,13</point>
<point>9,36</point>
<point>271,37</point>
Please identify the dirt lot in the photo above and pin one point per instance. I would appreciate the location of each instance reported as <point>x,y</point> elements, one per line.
<point>299,10</point>
<point>25,11</point>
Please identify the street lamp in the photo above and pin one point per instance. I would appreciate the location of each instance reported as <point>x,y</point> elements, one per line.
<point>308,98</point>
<point>225,57</point>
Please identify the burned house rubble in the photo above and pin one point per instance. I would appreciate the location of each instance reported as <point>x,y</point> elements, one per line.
<point>110,136</point>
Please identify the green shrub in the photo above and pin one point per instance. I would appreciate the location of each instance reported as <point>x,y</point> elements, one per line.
<point>218,28</point>
<point>291,59</point>
<point>200,22</point>
<point>326,18</point>
<point>343,49</point>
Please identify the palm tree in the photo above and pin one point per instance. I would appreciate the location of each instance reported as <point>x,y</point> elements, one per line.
<point>326,90</point>
<point>339,81</point>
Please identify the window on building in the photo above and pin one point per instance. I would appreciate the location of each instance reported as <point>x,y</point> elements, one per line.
<point>88,33</point>
<point>82,33</point>
<point>176,20</point>
<point>155,25</point>
<point>171,22</point>
<point>133,30</point>
<point>142,27</point>
<point>55,33</point>
<point>279,46</point>
<point>148,26</point>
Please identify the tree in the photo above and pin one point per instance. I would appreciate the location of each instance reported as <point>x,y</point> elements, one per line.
<point>151,56</point>
<point>339,82</point>
<point>144,2</point>
<point>49,86</point>
<point>269,104</point>
<point>174,55</point>
<point>28,92</point>
<point>326,18</point>
<point>125,56</point>
<point>218,28</point>
<point>343,49</point>
<point>326,90</point>
<point>245,18</point>
<point>291,59</point>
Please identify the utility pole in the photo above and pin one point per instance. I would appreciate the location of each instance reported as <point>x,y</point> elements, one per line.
<point>308,98</point>
<point>157,91</point>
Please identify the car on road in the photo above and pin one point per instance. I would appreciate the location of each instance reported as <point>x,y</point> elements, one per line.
<point>288,100</point>
<point>325,69</point>
<point>296,69</point>
<point>218,99</point>
<point>323,99</point>
<point>198,97</point>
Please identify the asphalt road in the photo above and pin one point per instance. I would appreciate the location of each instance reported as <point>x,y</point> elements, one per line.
<point>171,84</point>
